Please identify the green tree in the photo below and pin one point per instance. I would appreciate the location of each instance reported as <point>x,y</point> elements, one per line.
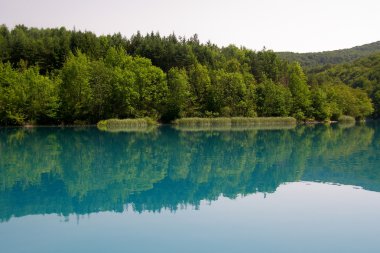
<point>12,96</point>
<point>227,93</point>
<point>102,90</point>
<point>125,90</point>
<point>26,96</point>
<point>199,81</point>
<point>151,87</point>
<point>265,64</point>
<point>320,106</point>
<point>300,92</point>
<point>75,90</point>
<point>4,43</point>
<point>179,94</point>
<point>345,100</point>
<point>42,96</point>
<point>273,99</point>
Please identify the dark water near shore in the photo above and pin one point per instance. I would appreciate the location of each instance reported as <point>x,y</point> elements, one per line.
<point>307,189</point>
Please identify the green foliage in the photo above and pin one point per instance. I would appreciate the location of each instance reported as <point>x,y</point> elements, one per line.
<point>346,119</point>
<point>75,90</point>
<point>363,75</point>
<point>151,87</point>
<point>26,96</point>
<point>61,76</point>
<point>321,109</point>
<point>227,93</point>
<point>344,100</point>
<point>265,64</point>
<point>200,82</point>
<point>300,92</point>
<point>116,87</point>
<point>125,124</point>
<point>178,98</point>
<point>273,99</point>
<point>312,60</point>
<point>103,90</point>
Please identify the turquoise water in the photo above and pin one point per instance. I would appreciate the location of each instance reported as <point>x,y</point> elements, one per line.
<point>308,189</point>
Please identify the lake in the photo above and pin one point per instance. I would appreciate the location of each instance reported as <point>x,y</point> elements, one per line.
<point>307,189</point>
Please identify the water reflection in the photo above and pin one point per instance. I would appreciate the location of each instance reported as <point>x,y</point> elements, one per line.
<point>83,170</point>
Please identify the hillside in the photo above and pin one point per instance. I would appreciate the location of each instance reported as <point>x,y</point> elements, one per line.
<point>363,73</point>
<point>331,57</point>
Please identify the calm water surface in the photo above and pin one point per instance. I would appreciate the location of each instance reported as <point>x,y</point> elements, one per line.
<point>308,189</point>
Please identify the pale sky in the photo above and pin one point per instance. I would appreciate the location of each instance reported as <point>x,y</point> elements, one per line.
<point>287,25</point>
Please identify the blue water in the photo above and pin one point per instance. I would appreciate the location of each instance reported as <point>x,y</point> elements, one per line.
<point>307,189</point>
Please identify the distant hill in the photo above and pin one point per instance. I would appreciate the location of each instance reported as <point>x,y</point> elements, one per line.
<point>363,73</point>
<point>331,57</point>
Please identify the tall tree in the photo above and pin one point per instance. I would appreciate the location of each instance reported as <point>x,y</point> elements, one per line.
<point>178,96</point>
<point>273,99</point>
<point>75,90</point>
<point>300,92</point>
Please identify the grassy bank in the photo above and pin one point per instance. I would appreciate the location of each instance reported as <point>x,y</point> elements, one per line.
<point>346,119</point>
<point>201,124</point>
<point>116,125</point>
<point>234,122</point>
<point>233,128</point>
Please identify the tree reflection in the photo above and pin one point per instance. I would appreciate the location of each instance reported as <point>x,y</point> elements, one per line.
<point>83,170</point>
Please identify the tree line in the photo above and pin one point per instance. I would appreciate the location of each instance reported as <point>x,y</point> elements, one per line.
<point>312,60</point>
<point>62,77</point>
<point>363,73</point>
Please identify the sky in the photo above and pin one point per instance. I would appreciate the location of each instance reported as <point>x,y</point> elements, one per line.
<point>280,25</point>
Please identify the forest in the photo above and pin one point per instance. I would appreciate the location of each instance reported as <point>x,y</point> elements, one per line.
<point>363,73</point>
<point>60,76</point>
<point>311,60</point>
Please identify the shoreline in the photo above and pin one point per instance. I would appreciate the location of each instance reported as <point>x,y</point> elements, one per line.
<point>211,122</point>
